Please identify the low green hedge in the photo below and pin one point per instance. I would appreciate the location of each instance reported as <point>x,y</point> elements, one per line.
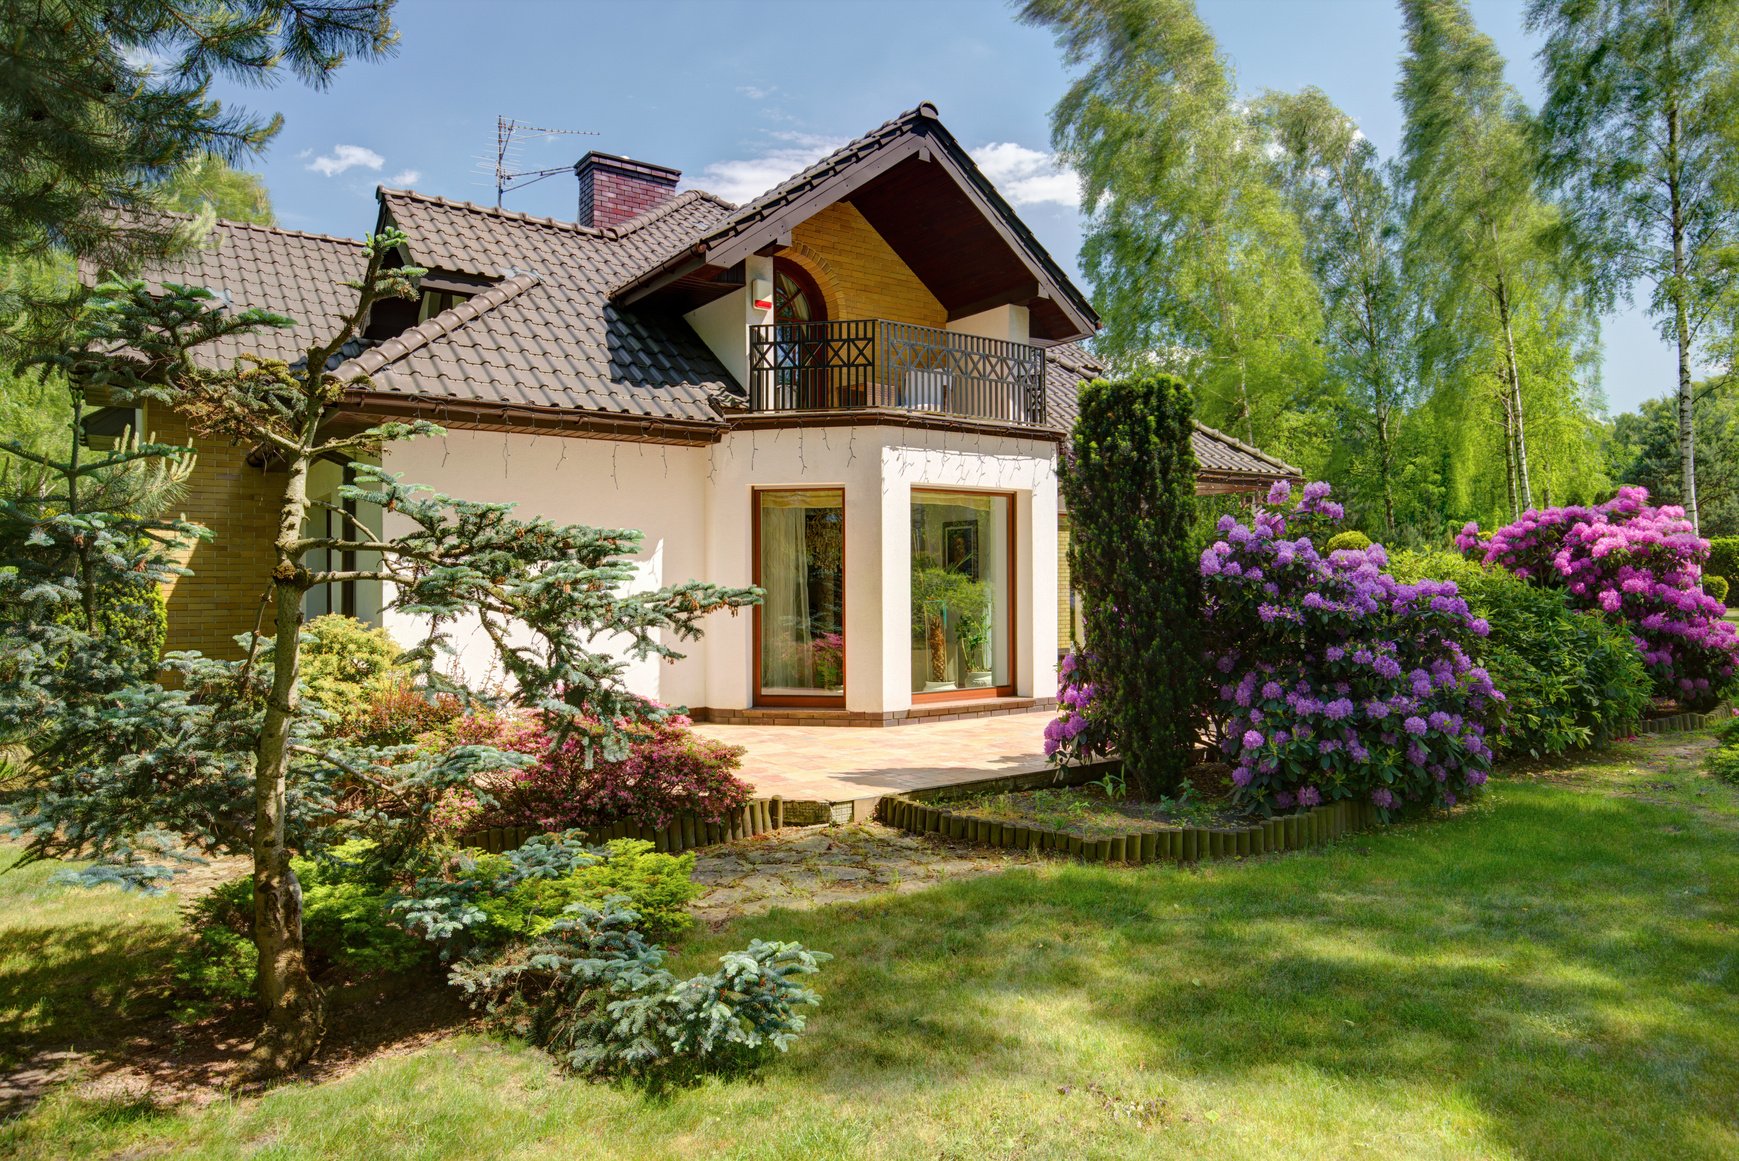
<point>1571,678</point>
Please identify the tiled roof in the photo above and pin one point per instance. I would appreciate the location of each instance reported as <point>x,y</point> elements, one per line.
<point>553,340</point>
<point>1067,364</point>
<point>247,265</point>
<point>752,213</point>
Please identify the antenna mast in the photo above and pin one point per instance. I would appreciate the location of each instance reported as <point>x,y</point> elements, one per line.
<point>507,177</point>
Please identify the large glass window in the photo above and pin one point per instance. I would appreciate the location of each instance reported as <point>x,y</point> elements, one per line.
<point>961,595</point>
<point>802,571</point>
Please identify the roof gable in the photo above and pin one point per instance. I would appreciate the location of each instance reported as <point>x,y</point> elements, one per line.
<point>924,194</point>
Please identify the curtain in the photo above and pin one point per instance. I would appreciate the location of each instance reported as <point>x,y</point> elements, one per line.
<point>786,653</point>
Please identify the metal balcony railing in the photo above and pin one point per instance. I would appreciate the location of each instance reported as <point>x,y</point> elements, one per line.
<point>872,363</point>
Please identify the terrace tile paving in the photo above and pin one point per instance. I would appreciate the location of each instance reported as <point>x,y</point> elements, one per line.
<point>838,764</point>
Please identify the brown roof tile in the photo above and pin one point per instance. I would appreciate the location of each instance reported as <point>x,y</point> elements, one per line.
<point>1067,365</point>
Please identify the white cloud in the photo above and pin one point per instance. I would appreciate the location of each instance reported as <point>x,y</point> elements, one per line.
<point>345,157</point>
<point>1028,177</point>
<point>757,92</point>
<point>405,178</point>
<point>743,179</point>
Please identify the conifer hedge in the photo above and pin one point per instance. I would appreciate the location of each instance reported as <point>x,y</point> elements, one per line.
<point>1129,482</point>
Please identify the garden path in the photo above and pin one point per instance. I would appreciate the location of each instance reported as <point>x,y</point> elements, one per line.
<point>843,764</point>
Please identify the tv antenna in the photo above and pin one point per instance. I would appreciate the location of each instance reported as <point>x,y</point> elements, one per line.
<point>509,134</point>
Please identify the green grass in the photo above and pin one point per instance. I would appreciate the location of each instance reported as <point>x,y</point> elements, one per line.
<point>1552,974</point>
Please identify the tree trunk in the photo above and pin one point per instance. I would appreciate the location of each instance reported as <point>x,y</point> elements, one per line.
<point>1682,328</point>
<point>1510,451</point>
<point>1515,387</point>
<point>1385,466</point>
<point>295,1009</point>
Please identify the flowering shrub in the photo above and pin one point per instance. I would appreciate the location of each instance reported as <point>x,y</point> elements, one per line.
<point>1640,564</point>
<point>1335,679</point>
<point>1079,731</point>
<point>669,770</point>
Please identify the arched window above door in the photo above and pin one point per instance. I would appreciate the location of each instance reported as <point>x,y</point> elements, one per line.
<point>796,298</point>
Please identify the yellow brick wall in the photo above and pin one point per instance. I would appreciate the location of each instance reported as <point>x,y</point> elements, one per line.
<point>239,504</point>
<point>1066,618</point>
<point>858,272</point>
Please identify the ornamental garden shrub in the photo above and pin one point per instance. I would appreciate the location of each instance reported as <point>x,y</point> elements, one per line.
<point>594,992</point>
<point>1347,539</point>
<point>1129,482</point>
<point>1570,678</point>
<point>1334,679</point>
<point>346,662</point>
<point>1639,565</point>
<point>1080,731</point>
<point>1723,557</point>
<point>668,770</point>
<point>475,901</point>
<point>1715,586</point>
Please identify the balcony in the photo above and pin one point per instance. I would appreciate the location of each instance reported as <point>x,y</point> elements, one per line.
<point>857,364</point>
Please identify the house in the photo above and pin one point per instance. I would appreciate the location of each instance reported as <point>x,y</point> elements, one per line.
<point>851,392</point>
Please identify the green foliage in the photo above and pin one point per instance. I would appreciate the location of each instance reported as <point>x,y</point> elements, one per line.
<point>1715,586</point>
<point>475,902</point>
<point>1645,451</point>
<point>89,124</point>
<point>346,664</point>
<point>1130,489</point>
<point>211,182</point>
<point>1349,539</point>
<point>1571,679</point>
<point>1724,556</point>
<point>593,992</point>
<point>1638,122</point>
<point>1197,262</point>
<point>347,924</point>
<point>1723,762</point>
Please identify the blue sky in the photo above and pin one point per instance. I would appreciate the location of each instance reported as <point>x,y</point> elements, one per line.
<point>739,96</point>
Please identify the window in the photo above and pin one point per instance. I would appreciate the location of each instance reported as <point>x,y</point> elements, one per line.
<point>435,301</point>
<point>800,623</point>
<point>962,594</point>
<point>107,428</point>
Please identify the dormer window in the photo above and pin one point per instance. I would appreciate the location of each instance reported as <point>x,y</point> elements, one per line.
<point>435,301</point>
<point>108,428</point>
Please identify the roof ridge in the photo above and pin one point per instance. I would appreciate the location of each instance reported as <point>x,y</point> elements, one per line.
<point>1242,446</point>
<point>491,211</point>
<point>686,198</point>
<point>438,326</point>
<point>237,224</point>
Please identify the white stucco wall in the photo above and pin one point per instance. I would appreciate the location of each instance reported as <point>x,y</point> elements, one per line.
<point>696,509</point>
<point>1010,323</point>
<point>655,489</point>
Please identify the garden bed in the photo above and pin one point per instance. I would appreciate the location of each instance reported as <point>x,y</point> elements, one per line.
<point>1090,812</point>
<point>1137,840</point>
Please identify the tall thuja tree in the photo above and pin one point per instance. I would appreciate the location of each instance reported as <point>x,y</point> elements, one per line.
<point>1477,230</point>
<point>231,760</point>
<point>100,101</point>
<point>1130,489</point>
<point>1353,219</point>
<point>1642,100</point>
<point>1196,261</point>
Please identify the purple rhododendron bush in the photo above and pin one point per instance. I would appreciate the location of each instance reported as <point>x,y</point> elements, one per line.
<point>1335,680</point>
<point>1636,563</point>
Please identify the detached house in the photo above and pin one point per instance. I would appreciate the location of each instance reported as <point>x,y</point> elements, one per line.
<point>851,392</point>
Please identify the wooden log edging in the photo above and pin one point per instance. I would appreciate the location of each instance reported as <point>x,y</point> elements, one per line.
<point>1685,723</point>
<point>683,833</point>
<point>1185,844</point>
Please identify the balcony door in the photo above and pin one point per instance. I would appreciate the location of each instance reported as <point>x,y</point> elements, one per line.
<point>800,354</point>
<point>800,622</point>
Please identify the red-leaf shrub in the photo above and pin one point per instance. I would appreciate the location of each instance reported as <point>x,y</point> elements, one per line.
<point>1636,563</point>
<point>669,770</point>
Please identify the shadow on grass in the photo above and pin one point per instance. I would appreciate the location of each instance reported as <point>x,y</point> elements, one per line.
<point>1558,960</point>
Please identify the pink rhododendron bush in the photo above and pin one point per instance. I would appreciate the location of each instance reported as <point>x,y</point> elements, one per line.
<point>1635,563</point>
<point>1335,680</point>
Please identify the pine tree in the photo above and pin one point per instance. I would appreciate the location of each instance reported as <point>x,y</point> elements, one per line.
<point>89,124</point>
<point>1642,100</point>
<point>229,759</point>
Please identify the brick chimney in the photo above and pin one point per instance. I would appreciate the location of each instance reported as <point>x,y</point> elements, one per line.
<point>614,189</point>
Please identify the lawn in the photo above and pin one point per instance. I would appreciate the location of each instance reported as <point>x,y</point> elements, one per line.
<point>1554,973</point>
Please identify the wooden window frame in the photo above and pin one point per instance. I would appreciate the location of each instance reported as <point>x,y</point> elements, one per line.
<point>792,700</point>
<point>989,691</point>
